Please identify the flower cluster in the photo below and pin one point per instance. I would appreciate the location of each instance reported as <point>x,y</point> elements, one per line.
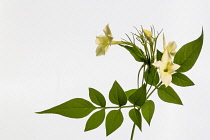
<point>166,66</point>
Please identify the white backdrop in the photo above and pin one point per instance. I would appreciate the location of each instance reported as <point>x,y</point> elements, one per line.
<point>47,56</point>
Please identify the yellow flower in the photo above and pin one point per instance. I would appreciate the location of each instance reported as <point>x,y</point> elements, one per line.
<point>166,67</point>
<point>104,42</point>
<point>170,47</point>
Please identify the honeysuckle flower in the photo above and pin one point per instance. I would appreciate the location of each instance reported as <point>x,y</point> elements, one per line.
<point>170,47</point>
<point>104,42</point>
<point>166,67</point>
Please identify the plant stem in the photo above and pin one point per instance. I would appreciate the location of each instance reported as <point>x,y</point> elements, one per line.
<point>143,66</point>
<point>154,89</point>
<point>116,107</point>
<point>132,133</point>
<point>152,82</point>
<point>139,74</point>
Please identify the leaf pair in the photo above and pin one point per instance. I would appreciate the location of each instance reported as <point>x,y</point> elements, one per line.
<point>114,118</point>
<point>147,111</point>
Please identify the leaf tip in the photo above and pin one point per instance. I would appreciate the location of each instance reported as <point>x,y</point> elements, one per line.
<point>41,112</point>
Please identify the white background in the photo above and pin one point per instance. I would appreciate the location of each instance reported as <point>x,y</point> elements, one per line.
<point>47,56</point>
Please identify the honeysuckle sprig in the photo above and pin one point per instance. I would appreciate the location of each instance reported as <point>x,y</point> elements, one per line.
<point>157,71</point>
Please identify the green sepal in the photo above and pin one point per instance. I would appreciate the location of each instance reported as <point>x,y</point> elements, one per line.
<point>117,95</point>
<point>168,95</point>
<point>188,54</point>
<point>151,76</point>
<point>95,120</point>
<point>148,110</point>
<point>182,80</point>
<point>96,97</point>
<point>74,108</point>
<point>139,96</point>
<point>135,116</point>
<point>114,120</point>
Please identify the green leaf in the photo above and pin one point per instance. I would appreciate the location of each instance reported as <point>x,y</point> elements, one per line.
<point>159,55</point>
<point>130,92</point>
<point>117,95</point>
<point>167,94</point>
<point>151,76</point>
<point>148,110</point>
<point>74,108</point>
<point>182,80</point>
<point>139,96</point>
<point>188,54</point>
<point>114,120</point>
<point>135,52</point>
<point>135,116</point>
<point>95,120</point>
<point>96,97</point>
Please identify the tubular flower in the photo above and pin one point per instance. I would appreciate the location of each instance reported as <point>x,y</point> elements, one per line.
<point>170,47</point>
<point>166,67</point>
<point>104,42</point>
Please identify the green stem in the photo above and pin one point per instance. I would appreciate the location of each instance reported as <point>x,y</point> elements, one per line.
<point>143,66</point>
<point>116,42</point>
<point>116,107</point>
<point>139,74</point>
<point>132,133</point>
<point>154,89</point>
<point>152,82</point>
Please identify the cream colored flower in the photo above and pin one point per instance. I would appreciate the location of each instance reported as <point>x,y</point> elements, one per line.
<point>104,42</point>
<point>170,47</point>
<point>166,67</point>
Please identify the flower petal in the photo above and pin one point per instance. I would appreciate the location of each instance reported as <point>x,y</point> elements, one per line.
<point>164,42</point>
<point>166,78</point>
<point>166,58</point>
<point>101,50</point>
<point>157,64</point>
<point>108,33</point>
<point>175,66</point>
<point>102,40</point>
<point>171,46</point>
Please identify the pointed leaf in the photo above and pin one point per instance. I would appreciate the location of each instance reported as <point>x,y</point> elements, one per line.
<point>95,120</point>
<point>117,95</point>
<point>182,80</point>
<point>74,108</point>
<point>135,52</point>
<point>188,54</point>
<point>135,116</point>
<point>139,96</point>
<point>96,97</point>
<point>148,110</point>
<point>114,120</point>
<point>151,76</point>
<point>130,92</point>
<point>167,94</point>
